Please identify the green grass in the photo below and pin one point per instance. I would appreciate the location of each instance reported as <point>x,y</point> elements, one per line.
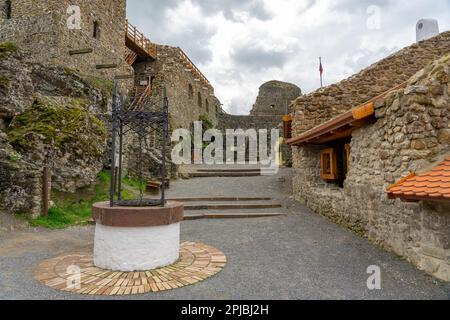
<point>76,208</point>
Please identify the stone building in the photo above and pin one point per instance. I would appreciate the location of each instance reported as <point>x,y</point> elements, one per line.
<point>90,39</point>
<point>354,141</point>
<point>190,93</point>
<point>275,98</point>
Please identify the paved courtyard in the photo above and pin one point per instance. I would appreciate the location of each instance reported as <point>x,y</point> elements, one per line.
<point>297,256</point>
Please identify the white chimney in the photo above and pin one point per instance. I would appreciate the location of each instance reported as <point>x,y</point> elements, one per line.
<point>426,29</point>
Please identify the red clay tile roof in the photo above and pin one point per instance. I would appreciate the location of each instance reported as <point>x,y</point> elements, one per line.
<point>431,185</point>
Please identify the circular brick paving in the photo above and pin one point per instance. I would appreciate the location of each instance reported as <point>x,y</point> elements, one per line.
<point>197,263</point>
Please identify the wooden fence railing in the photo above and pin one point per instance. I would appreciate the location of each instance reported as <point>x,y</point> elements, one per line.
<point>137,37</point>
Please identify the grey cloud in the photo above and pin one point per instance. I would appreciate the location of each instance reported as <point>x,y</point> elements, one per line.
<point>229,8</point>
<point>254,58</point>
<point>152,17</point>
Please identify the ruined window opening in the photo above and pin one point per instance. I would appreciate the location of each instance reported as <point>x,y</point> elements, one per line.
<point>335,162</point>
<point>152,80</point>
<point>191,92</point>
<point>199,102</point>
<point>207,105</point>
<point>8,10</point>
<point>96,32</point>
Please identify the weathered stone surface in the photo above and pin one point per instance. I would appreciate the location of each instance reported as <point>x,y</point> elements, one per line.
<point>275,98</point>
<point>188,98</point>
<point>41,29</point>
<point>48,119</point>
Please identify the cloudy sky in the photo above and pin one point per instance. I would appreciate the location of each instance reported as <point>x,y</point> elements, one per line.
<point>240,44</point>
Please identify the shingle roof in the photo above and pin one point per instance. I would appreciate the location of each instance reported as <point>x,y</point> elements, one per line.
<point>431,185</point>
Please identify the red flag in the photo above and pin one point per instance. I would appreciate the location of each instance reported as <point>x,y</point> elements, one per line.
<point>321,67</point>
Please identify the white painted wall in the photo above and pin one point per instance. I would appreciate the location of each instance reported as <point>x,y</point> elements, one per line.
<point>136,249</point>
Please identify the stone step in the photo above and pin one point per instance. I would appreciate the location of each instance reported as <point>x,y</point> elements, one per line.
<point>230,215</point>
<point>199,174</point>
<point>219,199</point>
<point>228,170</point>
<point>231,206</point>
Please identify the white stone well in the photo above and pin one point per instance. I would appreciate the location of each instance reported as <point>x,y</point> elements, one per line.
<point>137,238</point>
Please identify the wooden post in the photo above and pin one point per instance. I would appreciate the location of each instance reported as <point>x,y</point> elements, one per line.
<point>45,192</point>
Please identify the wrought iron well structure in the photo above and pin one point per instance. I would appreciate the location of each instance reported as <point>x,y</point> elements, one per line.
<point>143,118</point>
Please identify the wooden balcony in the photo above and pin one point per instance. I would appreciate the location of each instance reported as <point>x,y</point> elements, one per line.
<point>137,42</point>
<point>191,67</point>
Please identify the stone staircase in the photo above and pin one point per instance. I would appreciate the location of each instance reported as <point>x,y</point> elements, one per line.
<point>230,207</point>
<point>233,172</point>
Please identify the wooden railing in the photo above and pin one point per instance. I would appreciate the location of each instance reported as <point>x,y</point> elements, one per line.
<point>130,56</point>
<point>142,99</point>
<point>139,39</point>
<point>194,70</point>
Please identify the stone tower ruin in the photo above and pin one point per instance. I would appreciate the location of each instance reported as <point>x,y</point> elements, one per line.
<point>275,98</point>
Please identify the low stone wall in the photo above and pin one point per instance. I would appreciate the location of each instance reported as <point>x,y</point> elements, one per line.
<point>412,133</point>
<point>227,121</point>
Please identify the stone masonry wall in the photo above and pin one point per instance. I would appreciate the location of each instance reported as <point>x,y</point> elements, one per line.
<point>322,105</point>
<point>227,121</point>
<point>41,29</point>
<point>186,106</point>
<point>412,133</point>
<point>275,98</point>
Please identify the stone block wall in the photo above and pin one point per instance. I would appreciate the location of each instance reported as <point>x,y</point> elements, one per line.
<point>322,105</point>
<point>411,133</point>
<point>227,121</point>
<point>188,99</point>
<point>41,29</point>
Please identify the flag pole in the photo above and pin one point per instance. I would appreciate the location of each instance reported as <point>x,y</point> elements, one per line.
<point>321,72</point>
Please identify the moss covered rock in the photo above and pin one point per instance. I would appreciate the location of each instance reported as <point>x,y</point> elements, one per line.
<point>65,124</point>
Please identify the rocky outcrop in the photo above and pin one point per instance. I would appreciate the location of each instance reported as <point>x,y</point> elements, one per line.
<point>275,98</point>
<point>47,118</point>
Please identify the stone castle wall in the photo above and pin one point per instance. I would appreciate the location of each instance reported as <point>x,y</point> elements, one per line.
<point>186,106</point>
<point>412,132</point>
<point>41,29</point>
<point>275,98</point>
<point>322,105</point>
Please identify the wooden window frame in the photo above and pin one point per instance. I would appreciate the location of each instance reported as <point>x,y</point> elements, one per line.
<point>332,175</point>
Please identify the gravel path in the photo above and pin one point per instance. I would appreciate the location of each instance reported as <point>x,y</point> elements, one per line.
<point>300,256</point>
